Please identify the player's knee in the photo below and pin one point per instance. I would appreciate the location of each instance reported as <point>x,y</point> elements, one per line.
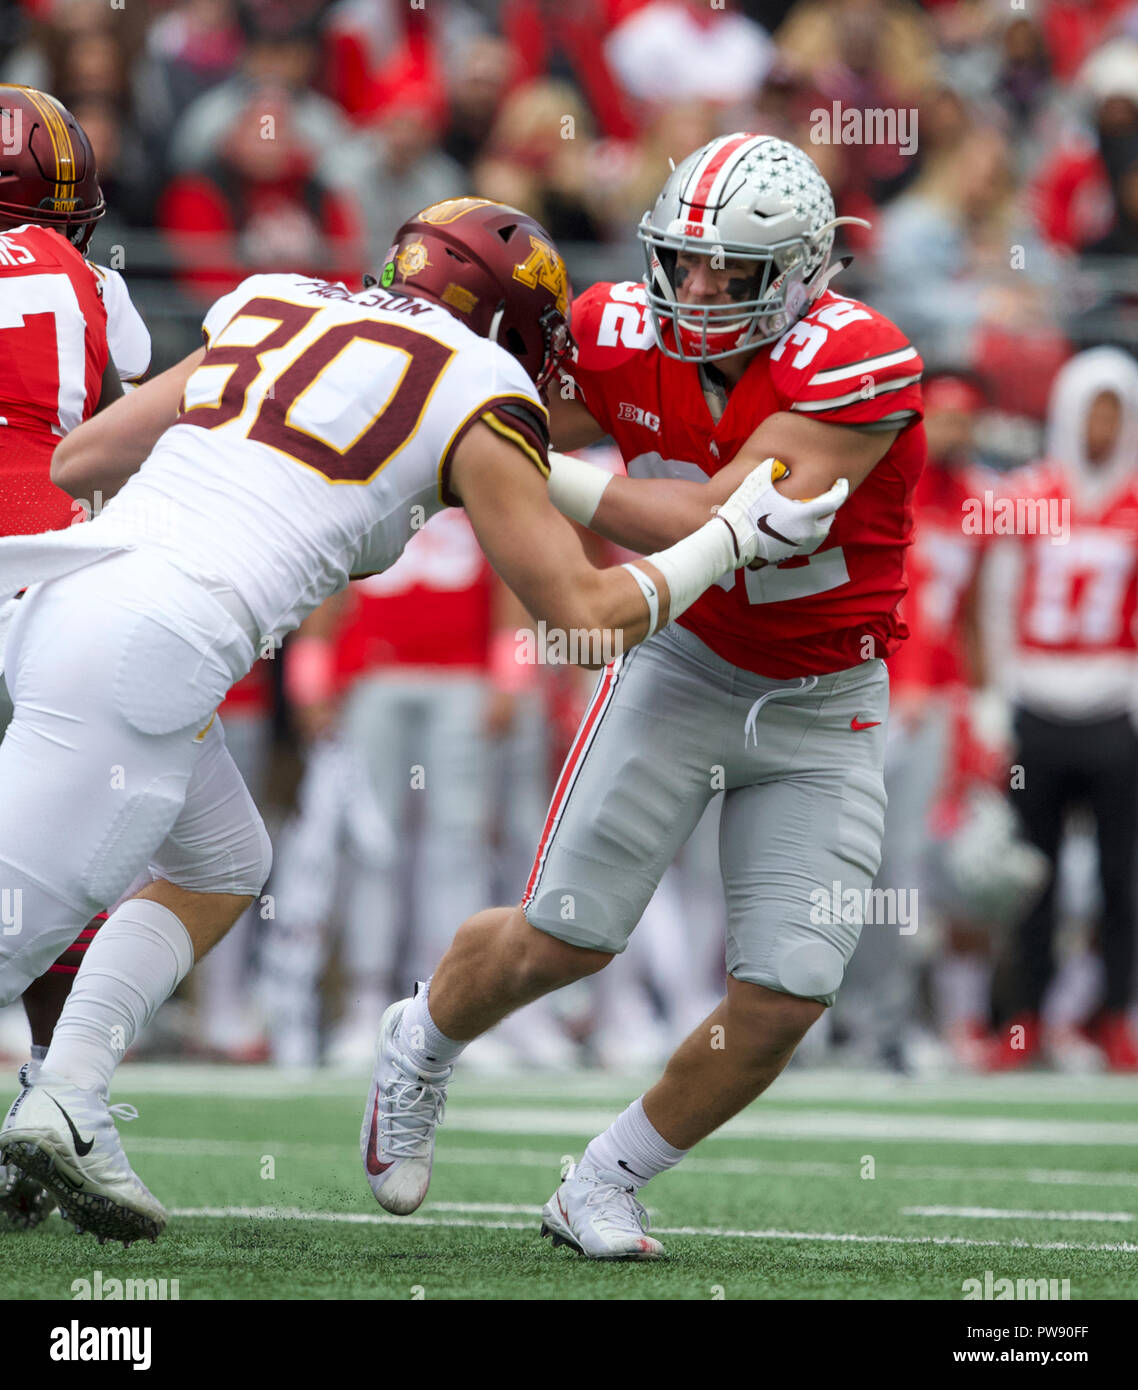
<point>770,1021</point>
<point>542,961</point>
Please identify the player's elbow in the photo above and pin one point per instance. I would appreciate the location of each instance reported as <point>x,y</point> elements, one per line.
<point>81,462</point>
<point>69,464</point>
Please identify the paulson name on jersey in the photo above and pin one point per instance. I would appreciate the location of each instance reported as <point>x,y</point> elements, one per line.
<point>842,363</point>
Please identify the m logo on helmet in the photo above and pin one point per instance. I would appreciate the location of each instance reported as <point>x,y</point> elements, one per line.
<point>451,210</point>
<point>543,266</point>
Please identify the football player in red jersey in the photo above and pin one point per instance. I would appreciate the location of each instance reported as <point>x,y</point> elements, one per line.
<point>69,335</point>
<point>734,357</point>
<point>1073,687</point>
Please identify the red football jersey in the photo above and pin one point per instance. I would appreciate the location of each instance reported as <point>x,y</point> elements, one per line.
<point>53,352</point>
<point>940,569</point>
<point>1079,594</point>
<point>431,608</point>
<point>843,364</point>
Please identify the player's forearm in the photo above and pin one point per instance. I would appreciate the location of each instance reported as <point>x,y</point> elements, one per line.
<point>103,452</point>
<point>628,603</point>
<point>641,514</point>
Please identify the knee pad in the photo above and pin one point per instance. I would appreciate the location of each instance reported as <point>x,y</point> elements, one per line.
<point>141,824</point>
<point>812,969</point>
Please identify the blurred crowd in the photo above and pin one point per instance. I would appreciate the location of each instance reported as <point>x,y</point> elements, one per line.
<point>242,135</point>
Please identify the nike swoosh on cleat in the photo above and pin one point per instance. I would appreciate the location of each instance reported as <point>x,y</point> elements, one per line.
<point>770,531</point>
<point>856,725</point>
<point>82,1147</point>
<point>374,1166</point>
<point>621,1163</point>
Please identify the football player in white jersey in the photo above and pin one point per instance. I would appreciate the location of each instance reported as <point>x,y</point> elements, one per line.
<point>50,181</point>
<point>303,444</point>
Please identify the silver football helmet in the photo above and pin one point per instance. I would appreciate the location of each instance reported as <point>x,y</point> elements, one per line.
<point>747,198</point>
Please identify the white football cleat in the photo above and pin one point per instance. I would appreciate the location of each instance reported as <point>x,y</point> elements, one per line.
<point>23,1201</point>
<point>65,1139</point>
<point>404,1106</point>
<point>598,1215</point>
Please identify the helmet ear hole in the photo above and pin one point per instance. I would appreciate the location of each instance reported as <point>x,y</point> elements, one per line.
<point>515,343</point>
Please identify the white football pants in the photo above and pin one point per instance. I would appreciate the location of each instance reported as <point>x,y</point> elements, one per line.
<point>114,762</point>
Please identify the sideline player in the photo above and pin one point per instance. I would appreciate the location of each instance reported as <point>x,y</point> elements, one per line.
<point>318,429</point>
<point>772,686</point>
<point>68,335</point>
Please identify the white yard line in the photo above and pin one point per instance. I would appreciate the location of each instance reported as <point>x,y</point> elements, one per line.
<point>1002,1214</point>
<point>862,1126</point>
<point>255,1149</point>
<point>353,1218</point>
<point>807,1084</point>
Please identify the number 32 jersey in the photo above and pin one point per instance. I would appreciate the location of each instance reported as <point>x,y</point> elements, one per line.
<point>842,364</point>
<point>316,437</point>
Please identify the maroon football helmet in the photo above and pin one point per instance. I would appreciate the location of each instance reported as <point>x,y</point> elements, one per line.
<point>496,270</point>
<point>47,166</point>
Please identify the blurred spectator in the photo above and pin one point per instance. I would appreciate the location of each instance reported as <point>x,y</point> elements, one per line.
<point>685,50</point>
<point>1075,27</point>
<point>192,47</point>
<point>129,182</point>
<point>1122,239</point>
<point>375,50</point>
<point>566,43</point>
<point>538,160</point>
<point>397,169</point>
<point>956,251</point>
<point>274,60</point>
<point>818,37</point>
<point>260,204</point>
<point>475,92</point>
<point>1073,188</point>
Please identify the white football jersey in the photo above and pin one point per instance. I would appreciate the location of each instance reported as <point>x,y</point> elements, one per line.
<point>128,338</point>
<point>315,438</point>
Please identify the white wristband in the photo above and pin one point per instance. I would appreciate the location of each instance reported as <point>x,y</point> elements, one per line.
<point>696,562</point>
<point>651,594</point>
<point>575,487</point>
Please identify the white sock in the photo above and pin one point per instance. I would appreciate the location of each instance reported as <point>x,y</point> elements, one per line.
<point>633,1147</point>
<point>134,964</point>
<point>420,1040</point>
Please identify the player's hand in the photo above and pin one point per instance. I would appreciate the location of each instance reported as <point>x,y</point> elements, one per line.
<point>768,526</point>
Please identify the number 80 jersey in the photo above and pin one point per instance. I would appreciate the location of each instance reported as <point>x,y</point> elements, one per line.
<point>842,364</point>
<point>316,437</point>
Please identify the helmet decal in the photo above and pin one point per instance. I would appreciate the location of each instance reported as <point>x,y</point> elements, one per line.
<point>460,298</point>
<point>543,266</point>
<point>412,259</point>
<point>452,209</point>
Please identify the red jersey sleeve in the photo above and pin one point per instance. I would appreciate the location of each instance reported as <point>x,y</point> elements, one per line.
<point>845,364</point>
<point>611,327</point>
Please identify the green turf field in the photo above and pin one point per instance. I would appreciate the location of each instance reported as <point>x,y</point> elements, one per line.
<point>1031,1177</point>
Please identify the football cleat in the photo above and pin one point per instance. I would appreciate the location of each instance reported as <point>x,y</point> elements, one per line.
<point>597,1214</point>
<point>65,1139</point>
<point>1111,1033</point>
<point>23,1201</point>
<point>404,1107</point>
<point>1018,1044</point>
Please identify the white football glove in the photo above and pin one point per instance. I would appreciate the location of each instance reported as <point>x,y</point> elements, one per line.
<point>768,526</point>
